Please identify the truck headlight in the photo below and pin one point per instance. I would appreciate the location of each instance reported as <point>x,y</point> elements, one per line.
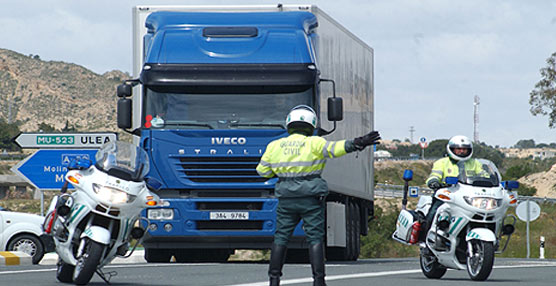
<point>113,195</point>
<point>160,214</point>
<point>483,203</point>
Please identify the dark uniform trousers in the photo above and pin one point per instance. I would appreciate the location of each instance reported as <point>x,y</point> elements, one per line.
<point>291,210</point>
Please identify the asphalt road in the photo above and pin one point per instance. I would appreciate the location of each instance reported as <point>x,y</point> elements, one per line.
<point>366,272</point>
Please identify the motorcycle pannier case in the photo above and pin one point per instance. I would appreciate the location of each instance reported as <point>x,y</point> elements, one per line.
<point>404,225</point>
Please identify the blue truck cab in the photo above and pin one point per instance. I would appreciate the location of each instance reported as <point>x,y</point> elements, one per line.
<point>215,89</point>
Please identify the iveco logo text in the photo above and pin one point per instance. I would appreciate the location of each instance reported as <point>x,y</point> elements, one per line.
<point>228,140</point>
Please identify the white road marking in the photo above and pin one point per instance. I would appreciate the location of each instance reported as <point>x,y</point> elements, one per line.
<point>378,274</point>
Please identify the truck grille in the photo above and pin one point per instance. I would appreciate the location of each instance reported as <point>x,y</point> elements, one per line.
<point>220,169</point>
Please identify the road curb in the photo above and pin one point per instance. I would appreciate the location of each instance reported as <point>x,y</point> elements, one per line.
<point>138,256</point>
<point>8,258</point>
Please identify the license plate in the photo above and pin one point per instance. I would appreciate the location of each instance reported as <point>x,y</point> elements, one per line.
<point>229,215</point>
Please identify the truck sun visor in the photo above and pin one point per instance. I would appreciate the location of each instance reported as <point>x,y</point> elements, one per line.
<point>230,32</point>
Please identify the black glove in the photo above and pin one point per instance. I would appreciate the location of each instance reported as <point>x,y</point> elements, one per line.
<point>435,185</point>
<point>366,140</point>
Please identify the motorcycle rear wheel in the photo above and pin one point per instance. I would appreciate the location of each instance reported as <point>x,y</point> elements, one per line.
<point>88,262</point>
<point>430,266</point>
<point>64,271</point>
<point>481,260</point>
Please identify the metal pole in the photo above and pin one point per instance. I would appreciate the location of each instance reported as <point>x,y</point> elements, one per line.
<point>528,219</point>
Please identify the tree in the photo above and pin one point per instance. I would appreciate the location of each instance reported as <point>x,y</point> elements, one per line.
<point>543,97</point>
<point>525,144</point>
<point>7,132</point>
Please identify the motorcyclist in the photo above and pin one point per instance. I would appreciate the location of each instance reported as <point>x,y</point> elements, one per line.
<point>298,160</point>
<point>460,150</point>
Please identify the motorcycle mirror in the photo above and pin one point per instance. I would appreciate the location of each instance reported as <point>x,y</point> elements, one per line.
<point>408,175</point>
<point>452,180</point>
<point>153,184</point>
<point>510,185</point>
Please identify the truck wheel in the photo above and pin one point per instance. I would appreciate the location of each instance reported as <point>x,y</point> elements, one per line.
<point>88,262</point>
<point>157,255</point>
<point>64,271</point>
<point>356,232</point>
<point>297,256</point>
<point>29,244</point>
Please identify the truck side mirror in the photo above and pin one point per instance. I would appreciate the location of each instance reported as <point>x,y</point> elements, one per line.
<point>124,112</point>
<point>335,109</point>
<point>124,90</point>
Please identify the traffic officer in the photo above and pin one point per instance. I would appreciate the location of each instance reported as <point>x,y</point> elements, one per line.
<point>298,160</point>
<point>460,150</point>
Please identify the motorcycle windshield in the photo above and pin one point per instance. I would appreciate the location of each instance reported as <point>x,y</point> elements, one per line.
<point>479,172</point>
<point>123,160</point>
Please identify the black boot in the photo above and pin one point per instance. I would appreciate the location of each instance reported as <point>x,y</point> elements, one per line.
<point>277,259</point>
<point>316,256</point>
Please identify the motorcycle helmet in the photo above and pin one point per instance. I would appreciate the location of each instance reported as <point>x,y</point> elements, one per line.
<point>303,119</point>
<point>459,141</point>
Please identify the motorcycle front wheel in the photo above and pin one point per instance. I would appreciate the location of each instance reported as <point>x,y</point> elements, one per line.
<point>88,262</point>
<point>430,266</point>
<point>480,259</point>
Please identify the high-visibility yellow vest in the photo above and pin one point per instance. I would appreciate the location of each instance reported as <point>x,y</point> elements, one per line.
<point>298,161</point>
<point>445,167</point>
<point>298,156</point>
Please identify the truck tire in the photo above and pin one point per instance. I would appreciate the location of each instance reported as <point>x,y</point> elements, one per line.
<point>356,232</point>
<point>156,255</point>
<point>297,255</point>
<point>29,244</point>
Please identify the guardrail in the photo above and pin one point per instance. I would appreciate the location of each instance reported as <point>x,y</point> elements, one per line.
<point>396,191</point>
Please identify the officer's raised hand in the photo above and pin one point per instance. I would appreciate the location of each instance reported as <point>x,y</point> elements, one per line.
<point>366,140</point>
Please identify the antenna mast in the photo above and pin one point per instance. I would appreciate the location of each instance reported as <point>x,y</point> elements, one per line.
<point>476,103</point>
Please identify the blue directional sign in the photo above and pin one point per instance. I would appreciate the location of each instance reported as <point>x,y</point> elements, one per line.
<point>414,192</point>
<point>45,169</point>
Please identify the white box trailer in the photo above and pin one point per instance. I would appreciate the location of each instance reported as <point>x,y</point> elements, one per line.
<point>339,56</point>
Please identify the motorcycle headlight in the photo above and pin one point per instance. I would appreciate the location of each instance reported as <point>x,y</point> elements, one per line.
<point>483,203</point>
<point>113,195</point>
<point>160,214</point>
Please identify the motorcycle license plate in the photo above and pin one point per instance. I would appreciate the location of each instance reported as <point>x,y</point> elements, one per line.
<point>229,215</point>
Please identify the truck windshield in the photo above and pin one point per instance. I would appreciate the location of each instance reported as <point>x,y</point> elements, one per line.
<point>169,110</point>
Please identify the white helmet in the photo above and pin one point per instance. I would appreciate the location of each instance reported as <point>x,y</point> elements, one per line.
<point>301,116</point>
<point>460,141</point>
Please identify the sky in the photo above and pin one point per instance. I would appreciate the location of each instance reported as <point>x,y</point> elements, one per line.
<point>432,57</point>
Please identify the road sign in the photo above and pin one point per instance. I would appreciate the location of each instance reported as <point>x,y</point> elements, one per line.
<point>45,169</point>
<point>64,140</point>
<point>413,192</point>
<point>423,139</point>
<point>534,211</point>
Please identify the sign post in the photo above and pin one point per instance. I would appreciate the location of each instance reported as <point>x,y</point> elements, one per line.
<point>424,144</point>
<point>528,211</point>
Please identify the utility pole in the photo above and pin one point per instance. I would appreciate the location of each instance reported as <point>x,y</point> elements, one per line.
<point>411,131</point>
<point>476,103</point>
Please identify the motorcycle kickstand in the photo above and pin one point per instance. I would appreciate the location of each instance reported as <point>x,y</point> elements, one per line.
<point>104,274</point>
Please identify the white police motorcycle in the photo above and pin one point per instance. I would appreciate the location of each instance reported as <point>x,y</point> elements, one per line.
<point>467,229</point>
<point>96,223</point>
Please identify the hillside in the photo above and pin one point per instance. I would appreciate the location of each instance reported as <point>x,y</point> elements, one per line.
<point>33,91</point>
